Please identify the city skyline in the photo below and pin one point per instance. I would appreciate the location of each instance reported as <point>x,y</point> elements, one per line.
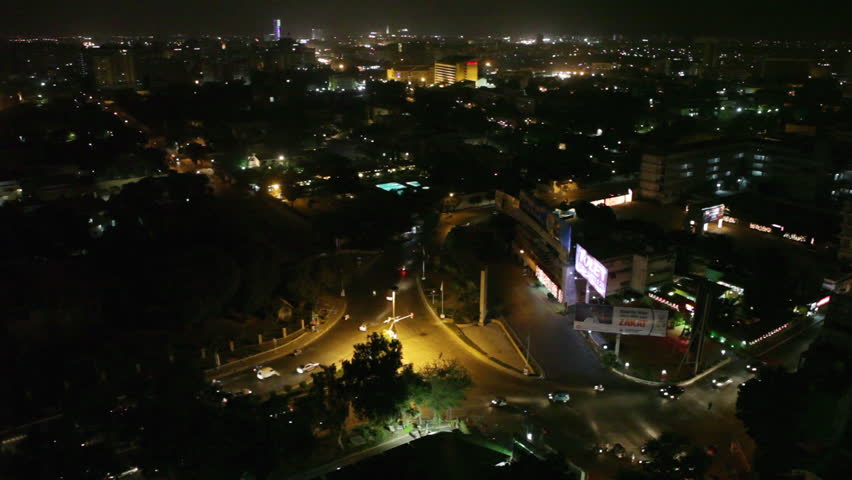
<point>98,17</point>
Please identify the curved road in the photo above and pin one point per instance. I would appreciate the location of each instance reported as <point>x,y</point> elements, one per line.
<point>625,413</point>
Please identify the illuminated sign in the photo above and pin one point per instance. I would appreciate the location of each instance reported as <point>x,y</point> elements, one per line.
<point>690,307</point>
<point>728,219</point>
<point>549,284</point>
<point>760,228</point>
<point>664,301</point>
<point>712,214</point>
<point>592,270</point>
<point>617,200</point>
<point>796,238</point>
<point>823,301</point>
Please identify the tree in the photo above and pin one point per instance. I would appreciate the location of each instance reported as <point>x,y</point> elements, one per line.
<point>329,401</point>
<point>196,152</point>
<point>768,408</point>
<point>445,385</point>
<point>374,379</point>
<point>670,457</point>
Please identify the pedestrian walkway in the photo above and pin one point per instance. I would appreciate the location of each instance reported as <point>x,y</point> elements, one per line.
<point>492,340</point>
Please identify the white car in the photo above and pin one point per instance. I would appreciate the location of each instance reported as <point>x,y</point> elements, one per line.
<point>307,367</point>
<point>266,372</point>
<point>561,397</point>
<point>722,381</point>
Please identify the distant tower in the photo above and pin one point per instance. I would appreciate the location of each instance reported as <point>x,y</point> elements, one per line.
<point>317,34</point>
<point>277,28</point>
<point>387,29</point>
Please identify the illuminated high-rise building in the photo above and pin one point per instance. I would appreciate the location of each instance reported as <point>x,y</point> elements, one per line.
<point>113,68</point>
<point>456,69</point>
<point>317,34</point>
<point>277,28</point>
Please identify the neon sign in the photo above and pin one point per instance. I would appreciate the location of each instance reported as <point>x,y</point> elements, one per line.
<point>549,285</point>
<point>760,228</point>
<point>796,238</point>
<point>592,270</point>
<point>664,301</point>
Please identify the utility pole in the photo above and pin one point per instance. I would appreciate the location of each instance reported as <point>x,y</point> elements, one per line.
<point>483,295</point>
<point>442,300</point>
<point>392,299</point>
<point>424,265</point>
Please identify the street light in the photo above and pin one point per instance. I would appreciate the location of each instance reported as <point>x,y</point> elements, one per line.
<point>392,299</point>
<point>442,300</point>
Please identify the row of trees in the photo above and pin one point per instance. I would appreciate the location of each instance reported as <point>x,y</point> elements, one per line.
<point>379,388</point>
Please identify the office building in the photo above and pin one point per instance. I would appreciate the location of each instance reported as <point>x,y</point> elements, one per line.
<point>317,34</point>
<point>419,75</point>
<point>456,69</point>
<point>844,250</point>
<point>113,68</point>
<point>276,30</point>
<point>795,170</point>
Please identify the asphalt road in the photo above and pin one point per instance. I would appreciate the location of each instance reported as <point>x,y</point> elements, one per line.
<point>625,413</point>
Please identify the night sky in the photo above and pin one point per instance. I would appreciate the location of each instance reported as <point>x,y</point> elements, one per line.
<point>776,19</point>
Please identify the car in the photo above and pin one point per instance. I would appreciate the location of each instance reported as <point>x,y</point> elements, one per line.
<point>671,392</point>
<point>242,392</point>
<point>561,397</point>
<point>720,382</point>
<point>755,366</point>
<point>307,367</point>
<point>499,402</point>
<point>599,388</point>
<point>265,372</point>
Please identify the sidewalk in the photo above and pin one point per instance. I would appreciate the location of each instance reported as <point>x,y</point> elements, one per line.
<point>400,439</point>
<point>492,339</point>
<point>481,351</point>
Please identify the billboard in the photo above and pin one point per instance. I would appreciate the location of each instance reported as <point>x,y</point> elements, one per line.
<point>625,320</point>
<point>592,270</point>
<point>712,214</point>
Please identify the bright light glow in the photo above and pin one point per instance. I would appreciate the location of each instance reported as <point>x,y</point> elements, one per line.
<point>592,270</point>
<point>549,284</point>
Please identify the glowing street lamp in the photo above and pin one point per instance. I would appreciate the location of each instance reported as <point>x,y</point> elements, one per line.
<point>392,299</point>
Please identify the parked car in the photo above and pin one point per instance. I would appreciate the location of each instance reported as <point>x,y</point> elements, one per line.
<point>561,397</point>
<point>499,402</point>
<point>306,367</point>
<point>671,392</point>
<point>266,372</point>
